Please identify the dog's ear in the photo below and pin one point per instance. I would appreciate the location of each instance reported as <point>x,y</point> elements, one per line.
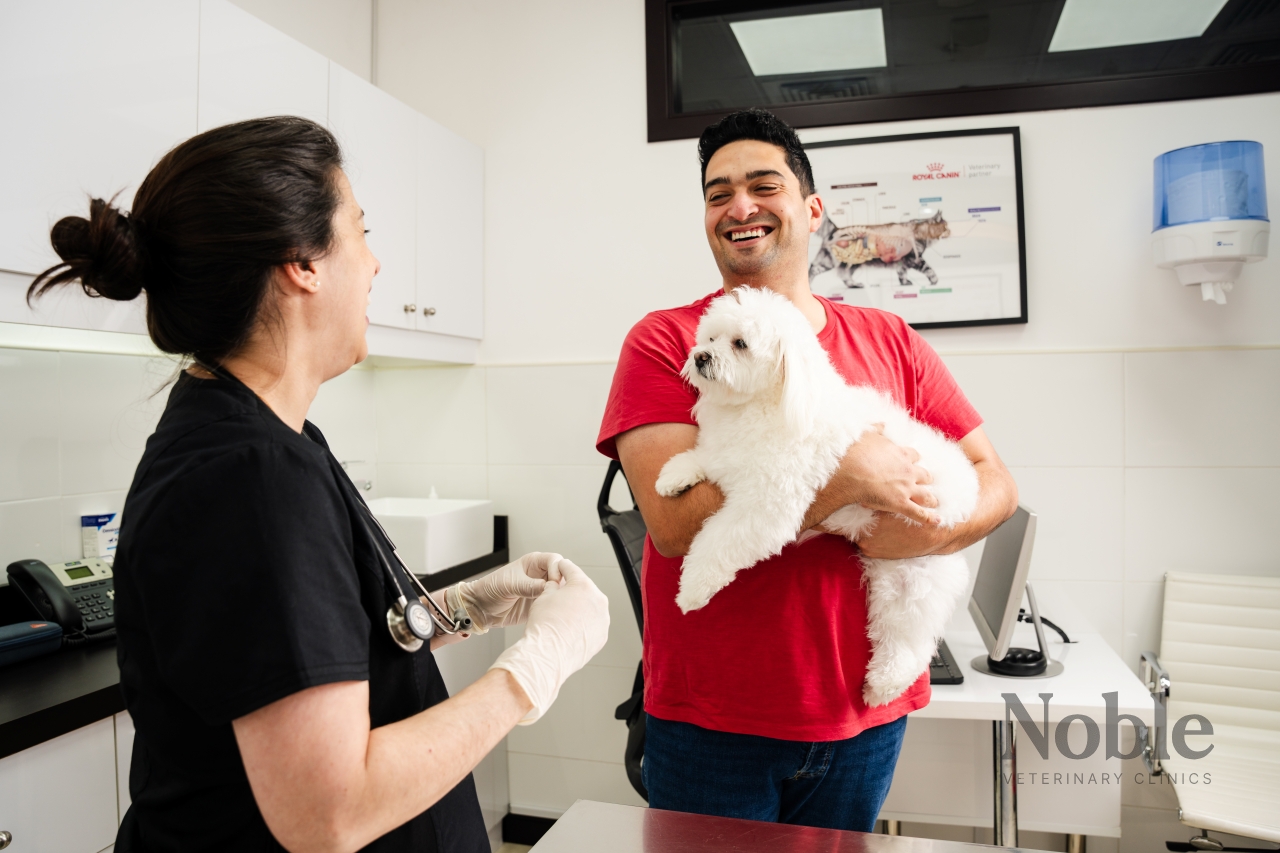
<point>798,384</point>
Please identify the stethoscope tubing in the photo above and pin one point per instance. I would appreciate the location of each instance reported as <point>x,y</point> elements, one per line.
<point>439,617</point>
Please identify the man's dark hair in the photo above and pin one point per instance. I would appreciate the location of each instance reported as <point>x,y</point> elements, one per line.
<point>762,126</point>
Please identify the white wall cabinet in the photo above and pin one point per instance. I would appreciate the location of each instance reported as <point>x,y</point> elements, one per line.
<point>378,136</point>
<point>249,69</point>
<point>92,94</point>
<point>95,91</point>
<point>60,796</point>
<point>450,290</point>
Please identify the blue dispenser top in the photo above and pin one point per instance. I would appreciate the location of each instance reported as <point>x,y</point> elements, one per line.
<point>1210,183</point>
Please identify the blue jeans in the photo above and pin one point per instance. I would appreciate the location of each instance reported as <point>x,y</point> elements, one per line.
<point>837,785</point>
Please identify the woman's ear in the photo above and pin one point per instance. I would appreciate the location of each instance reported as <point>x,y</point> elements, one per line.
<point>299,276</point>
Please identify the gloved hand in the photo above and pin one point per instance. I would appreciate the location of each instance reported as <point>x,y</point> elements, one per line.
<point>567,625</point>
<point>503,597</point>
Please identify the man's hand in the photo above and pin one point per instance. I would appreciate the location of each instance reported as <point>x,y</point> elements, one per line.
<point>880,475</point>
<point>894,538</point>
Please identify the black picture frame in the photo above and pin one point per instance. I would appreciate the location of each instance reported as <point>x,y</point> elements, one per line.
<point>664,123</point>
<point>1016,137</point>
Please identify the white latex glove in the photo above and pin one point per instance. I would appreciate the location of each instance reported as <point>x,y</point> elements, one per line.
<point>567,625</point>
<point>503,597</point>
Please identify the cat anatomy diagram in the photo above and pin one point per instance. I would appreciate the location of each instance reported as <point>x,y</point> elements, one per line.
<point>921,228</point>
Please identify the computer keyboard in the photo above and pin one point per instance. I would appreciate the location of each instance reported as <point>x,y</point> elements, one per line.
<point>943,669</point>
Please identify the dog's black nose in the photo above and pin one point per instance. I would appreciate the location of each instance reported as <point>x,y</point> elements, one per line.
<point>701,360</point>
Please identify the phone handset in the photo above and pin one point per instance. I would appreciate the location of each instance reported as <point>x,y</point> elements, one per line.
<point>78,595</point>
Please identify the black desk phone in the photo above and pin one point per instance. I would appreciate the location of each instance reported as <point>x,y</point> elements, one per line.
<point>79,595</point>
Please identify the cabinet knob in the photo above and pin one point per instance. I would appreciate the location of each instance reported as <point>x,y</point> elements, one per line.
<point>6,838</point>
<point>429,312</point>
<point>410,309</point>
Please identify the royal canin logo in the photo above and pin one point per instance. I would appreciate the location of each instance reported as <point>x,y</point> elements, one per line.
<point>936,172</point>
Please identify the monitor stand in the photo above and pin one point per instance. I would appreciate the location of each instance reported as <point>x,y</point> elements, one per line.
<point>1023,663</point>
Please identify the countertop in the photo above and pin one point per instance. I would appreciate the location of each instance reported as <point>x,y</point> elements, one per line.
<point>590,826</point>
<point>49,696</point>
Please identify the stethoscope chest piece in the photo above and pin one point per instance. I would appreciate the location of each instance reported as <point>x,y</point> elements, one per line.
<point>410,624</point>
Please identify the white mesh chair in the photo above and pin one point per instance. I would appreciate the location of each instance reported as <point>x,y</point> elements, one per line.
<point>1220,658</point>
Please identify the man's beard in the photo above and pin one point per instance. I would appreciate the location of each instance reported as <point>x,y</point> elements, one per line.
<point>736,264</point>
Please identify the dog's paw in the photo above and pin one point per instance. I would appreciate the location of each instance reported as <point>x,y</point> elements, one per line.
<point>680,474</point>
<point>698,584</point>
<point>689,600</point>
<point>876,694</point>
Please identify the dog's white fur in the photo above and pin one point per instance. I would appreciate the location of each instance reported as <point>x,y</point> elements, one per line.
<point>775,419</point>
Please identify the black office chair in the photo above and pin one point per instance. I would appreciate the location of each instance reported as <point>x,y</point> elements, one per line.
<point>626,531</point>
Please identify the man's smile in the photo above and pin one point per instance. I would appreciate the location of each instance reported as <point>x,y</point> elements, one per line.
<point>747,235</point>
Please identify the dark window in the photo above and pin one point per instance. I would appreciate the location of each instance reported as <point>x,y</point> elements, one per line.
<point>880,60</point>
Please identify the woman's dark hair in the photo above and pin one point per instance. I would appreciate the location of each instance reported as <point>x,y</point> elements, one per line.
<point>762,126</point>
<point>209,224</point>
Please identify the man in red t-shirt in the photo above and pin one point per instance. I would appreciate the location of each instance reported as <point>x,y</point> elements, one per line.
<point>754,702</point>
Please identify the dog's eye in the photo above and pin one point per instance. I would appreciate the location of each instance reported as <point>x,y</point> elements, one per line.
<point>740,343</point>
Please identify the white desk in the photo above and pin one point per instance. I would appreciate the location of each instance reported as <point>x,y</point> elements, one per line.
<point>945,774</point>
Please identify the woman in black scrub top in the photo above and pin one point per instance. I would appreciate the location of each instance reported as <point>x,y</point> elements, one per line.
<point>273,707</point>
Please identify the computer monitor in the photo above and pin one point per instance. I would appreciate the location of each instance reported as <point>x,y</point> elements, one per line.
<point>1002,577</point>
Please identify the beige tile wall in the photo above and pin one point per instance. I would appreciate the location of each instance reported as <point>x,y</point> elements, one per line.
<point>1137,462</point>
<point>72,428</point>
<point>524,437</point>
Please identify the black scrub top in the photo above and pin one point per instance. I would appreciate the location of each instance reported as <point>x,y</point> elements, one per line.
<point>244,575</point>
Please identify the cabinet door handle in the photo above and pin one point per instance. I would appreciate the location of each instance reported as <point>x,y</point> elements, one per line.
<point>6,838</point>
<point>410,309</point>
<point>429,312</point>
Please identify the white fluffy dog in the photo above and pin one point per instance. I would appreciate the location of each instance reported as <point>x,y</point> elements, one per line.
<point>775,419</point>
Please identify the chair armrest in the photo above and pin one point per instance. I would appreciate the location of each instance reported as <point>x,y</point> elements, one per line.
<point>1155,677</point>
<point>1157,681</point>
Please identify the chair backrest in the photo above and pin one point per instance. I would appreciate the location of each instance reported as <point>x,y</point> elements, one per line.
<point>626,532</point>
<point>1220,642</point>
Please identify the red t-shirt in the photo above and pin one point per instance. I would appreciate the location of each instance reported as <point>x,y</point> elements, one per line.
<point>782,651</point>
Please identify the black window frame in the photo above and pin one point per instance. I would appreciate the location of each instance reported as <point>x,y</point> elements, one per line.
<point>665,124</point>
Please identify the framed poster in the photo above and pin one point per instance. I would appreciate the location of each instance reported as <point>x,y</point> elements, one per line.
<point>927,226</point>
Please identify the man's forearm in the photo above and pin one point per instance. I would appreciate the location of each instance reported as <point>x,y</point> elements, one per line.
<point>997,499</point>
<point>675,521</point>
<point>672,522</point>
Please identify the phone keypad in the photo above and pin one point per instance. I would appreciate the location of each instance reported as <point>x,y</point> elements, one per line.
<point>96,602</point>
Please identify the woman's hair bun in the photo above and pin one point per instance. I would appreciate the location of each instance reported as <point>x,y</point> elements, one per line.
<point>101,252</point>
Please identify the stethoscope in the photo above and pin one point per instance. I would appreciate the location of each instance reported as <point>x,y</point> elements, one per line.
<point>411,619</point>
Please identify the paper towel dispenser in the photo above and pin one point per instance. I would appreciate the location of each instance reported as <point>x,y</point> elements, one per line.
<point>1210,216</point>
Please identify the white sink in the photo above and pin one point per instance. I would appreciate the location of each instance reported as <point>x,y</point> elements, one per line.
<point>433,534</point>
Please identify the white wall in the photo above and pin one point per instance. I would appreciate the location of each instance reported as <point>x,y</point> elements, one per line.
<point>342,30</point>
<point>589,226</point>
<point>1136,418</point>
